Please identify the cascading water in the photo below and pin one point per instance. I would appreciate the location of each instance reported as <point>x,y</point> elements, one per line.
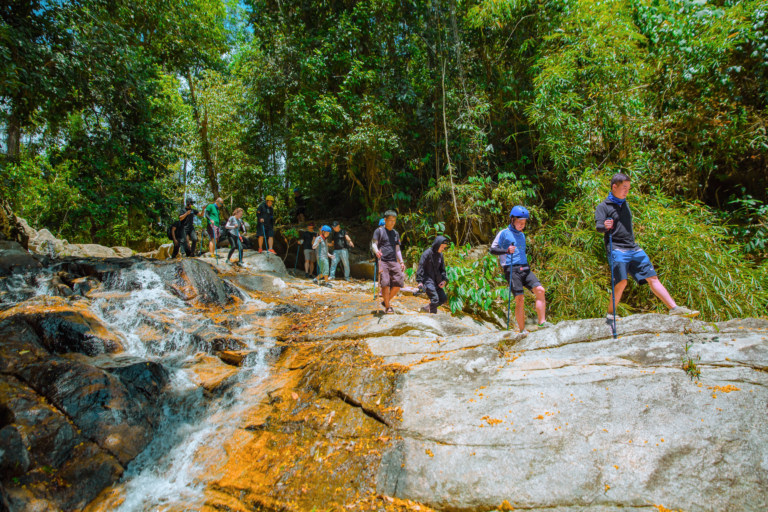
<point>170,471</point>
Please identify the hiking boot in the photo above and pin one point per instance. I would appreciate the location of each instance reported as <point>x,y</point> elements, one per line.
<point>328,285</point>
<point>424,309</point>
<point>314,281</point>
<point>683,311</point>
<point>545,325</point>
<point>525,332</point>
<point>272,251</point>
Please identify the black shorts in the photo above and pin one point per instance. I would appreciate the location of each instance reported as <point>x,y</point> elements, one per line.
<point>265,229</point>
<point>521,277</point>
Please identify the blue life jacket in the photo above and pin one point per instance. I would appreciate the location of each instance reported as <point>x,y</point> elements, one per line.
<point>511,236</point>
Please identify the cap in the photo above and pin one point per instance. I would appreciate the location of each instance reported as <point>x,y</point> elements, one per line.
<point>336,223</point>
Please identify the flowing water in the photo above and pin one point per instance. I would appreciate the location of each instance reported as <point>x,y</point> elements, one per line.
<point>155,324</point>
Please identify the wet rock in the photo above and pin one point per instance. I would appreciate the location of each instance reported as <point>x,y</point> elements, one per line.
<point>209,372</point>
<point>362,270</point>
<point>98,403</point>
<point>16,288</point>
<point>16,260</point>
<point>147,377</point>
<point>14,460</point>
<point>64,327</point>
<point>30,231</point>
<point>192,279</point>
<point>83,285</point>
<point>573,418</point>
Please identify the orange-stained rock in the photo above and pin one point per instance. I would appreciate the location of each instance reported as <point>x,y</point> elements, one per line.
<point>65,326</point>
<point>210,372</point>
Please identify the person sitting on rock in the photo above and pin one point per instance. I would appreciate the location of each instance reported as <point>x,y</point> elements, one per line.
<point>386,245</point>
<point>234,226</point>
<point>321,247</point>
<point>212,215</point>
<point>432,276</point>
<point>341,242</point>
<point>307,239</point>
<point>613,217</point>
<point>509,245</point>
<point>266,215</point>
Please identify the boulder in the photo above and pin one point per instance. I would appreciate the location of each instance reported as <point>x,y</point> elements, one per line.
<point>572,418</point>
<point>30,231</point>
<point>362,270</point>
<point>14,259</point>
<point>163,252</point>
<point>96,251</point>
<point>264,262</point>
<point>63,327</point>
<point>123,252</point>
<point>192,279</point>
<point>10,227</point>
<point>264,283</point>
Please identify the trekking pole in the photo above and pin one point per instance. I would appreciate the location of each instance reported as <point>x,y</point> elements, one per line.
<point>509,296</point>
<point>375,276</point>
<point>264,232</point>
<point>613,285</point>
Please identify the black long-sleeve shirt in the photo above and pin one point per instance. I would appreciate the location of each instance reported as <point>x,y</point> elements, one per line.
<point>623,235</point>
<point>432,264</point>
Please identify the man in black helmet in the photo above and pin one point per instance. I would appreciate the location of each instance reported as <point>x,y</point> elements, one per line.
<point>187,221</point>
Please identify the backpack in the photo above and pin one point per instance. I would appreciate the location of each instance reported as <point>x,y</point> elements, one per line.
<point>169,233</point>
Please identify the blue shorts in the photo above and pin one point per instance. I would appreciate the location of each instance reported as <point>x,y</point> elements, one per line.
<point>635,263</point>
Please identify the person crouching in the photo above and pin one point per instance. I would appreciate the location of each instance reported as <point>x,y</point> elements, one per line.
<point>431,275</point>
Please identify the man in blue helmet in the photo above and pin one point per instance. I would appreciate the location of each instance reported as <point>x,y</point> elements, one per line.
<point>320,245</point>
<point>509,246</point>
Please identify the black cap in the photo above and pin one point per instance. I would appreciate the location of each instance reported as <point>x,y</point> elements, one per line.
<point>190,200</point>
<point>336,223</point>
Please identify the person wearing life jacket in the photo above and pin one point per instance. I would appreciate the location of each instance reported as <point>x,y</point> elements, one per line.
<point>432,276</point>
<point>266,216</point>
<point>613,218</point>
<point>509,246</point>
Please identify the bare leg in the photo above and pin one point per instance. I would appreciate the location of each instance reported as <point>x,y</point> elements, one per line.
<point>541,304</point>
<point>270,242</point>
<point>618,291</point>
<point>306,266</point>
<point>393,292</point>
<point>520,312</point>
<point>260,239</point>
<point>212,248</point>
<point>385,296</point>
<point>658,289</point>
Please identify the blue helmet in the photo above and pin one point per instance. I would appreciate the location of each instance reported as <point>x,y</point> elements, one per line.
<point>520,212</point>
<point>381,222</point>
<point>326,228</point>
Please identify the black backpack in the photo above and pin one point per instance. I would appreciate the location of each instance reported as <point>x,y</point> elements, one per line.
<point>169,233</point>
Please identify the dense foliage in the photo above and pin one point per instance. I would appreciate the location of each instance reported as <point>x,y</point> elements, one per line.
<point>448,111</point>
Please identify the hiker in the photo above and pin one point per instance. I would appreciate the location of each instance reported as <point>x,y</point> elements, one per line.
<point>432,276</point>
<point>187,219</point>
<point>386,245</point>
<point>265,213</point>
<point>301,205</point>
<point>175,232</point>
<point>234,226</point>
<point>614,217</point>
<point>378,263</point>
<point>509,246</point>
<point>212,214</point>
<point>321,248</point>
<point>341,241</point>
<point>307,239</point>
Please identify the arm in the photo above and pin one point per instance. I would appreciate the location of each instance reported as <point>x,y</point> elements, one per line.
<point>600,218</point>
<point>316,242</point>
<point>496,248</point>
<point>173,234</point>
<point>420,271</point>
<point>185,215</point>
<point>229,224</point>
<point>443,272</point>
<point>349,240</point>
<point>375,243</point>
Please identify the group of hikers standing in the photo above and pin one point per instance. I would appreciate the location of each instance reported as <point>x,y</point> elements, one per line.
<point>613,218</point>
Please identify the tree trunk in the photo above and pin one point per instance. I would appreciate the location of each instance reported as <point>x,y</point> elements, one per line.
<point>13,138</point>
<point>202,128</point>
